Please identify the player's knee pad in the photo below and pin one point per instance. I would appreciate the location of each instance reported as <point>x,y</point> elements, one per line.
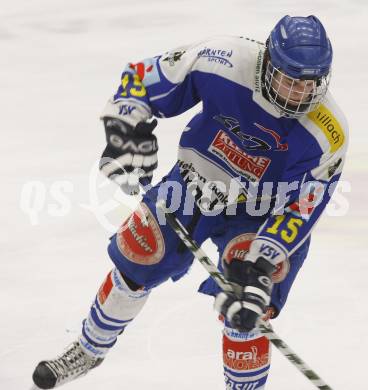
<point>246,358</point>
<point>114,307</point>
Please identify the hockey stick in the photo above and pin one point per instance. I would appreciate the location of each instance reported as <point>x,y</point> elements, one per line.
<point>218,277</point>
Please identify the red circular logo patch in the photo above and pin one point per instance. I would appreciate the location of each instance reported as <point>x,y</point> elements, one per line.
<point>140,239</point>
<point>238,247</point>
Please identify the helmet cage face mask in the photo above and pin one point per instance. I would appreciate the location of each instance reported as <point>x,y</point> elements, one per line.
<point>294,97</point>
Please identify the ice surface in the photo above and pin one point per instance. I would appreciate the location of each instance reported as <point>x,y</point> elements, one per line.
<point>59,62</point>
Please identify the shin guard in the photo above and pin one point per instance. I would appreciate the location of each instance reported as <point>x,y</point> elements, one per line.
<point>246,359</point>
<point>114,307</point>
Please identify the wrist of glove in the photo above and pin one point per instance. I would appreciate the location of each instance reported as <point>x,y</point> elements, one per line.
<point>130,156</point>
<point>250,298</point>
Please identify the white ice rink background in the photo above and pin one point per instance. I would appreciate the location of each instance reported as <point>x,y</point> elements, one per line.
<point>59,62</point>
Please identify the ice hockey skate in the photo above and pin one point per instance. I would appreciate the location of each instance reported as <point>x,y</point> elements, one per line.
<point>254,171</point>
<point>72,364</point>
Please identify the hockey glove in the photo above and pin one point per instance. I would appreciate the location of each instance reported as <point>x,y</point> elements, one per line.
<point>130,156</point>
<point>251,296</point>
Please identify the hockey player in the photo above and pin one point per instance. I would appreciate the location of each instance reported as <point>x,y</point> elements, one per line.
<point>256,168</point>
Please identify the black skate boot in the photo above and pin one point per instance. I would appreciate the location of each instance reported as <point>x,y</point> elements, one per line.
<point>73,363</point>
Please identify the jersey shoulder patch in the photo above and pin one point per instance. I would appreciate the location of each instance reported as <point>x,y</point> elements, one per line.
<point>232,58</point>
<point>328,125</point>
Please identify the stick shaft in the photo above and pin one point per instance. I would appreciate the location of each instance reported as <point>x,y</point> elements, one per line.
<point>218,277</point>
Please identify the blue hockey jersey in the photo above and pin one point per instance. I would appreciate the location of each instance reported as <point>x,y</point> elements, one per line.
<point>238,151</point>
